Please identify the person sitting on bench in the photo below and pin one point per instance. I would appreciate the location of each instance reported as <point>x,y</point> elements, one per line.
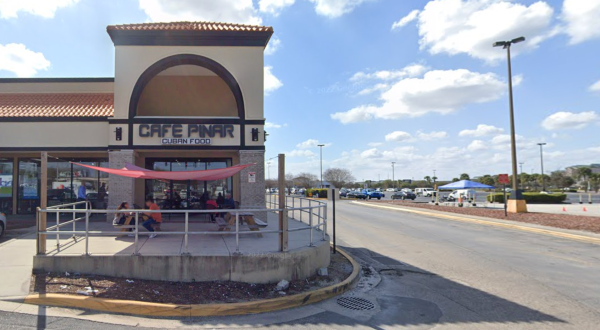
<point>123,218</point>
<point>151,218</point>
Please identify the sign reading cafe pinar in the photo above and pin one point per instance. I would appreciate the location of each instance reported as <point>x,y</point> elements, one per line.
<point>179,134</point>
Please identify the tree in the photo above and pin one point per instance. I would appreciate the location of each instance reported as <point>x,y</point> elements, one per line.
<point>305,179</point>
<point>455,179</point>
<point>465,176</point>
<point>595,181</point>
<point>338,176</point>
<point>487,179</point>
<point>289,182</point>
<point>583,173</point>
<point>428,179</point>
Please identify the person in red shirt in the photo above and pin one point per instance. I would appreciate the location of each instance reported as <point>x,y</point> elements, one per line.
<point>152,218</point>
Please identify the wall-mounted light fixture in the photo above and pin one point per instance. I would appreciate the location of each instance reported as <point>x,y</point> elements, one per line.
<point>255,134</point>
<point>119,134</point>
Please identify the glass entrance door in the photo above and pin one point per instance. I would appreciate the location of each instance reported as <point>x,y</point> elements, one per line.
<point>190,194</point>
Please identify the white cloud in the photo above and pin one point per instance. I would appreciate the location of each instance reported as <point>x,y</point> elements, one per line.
<point>406,19</point>
<point>273,46</point>
<point>399,136</point>
<point>481,130</point>
<point>569,120</point>
<point>336,8</point>
<point>274,7</point>
<point>371,153</point>
<point>21,61</point>
<point>471,27</point>
<point>581,19</point>
<point>273,125</point>
<point>434,135</point>
<point>595,87</point>
<point>376,88</point>
<point>230,11</point>
<point>311,143</point>
<point>300,153</point>
<point>271,82</point>
<point>439,91</point>
<point>412,70</point>
<point>43,8</point>
<point>477,145</point>
<point>374,144</point>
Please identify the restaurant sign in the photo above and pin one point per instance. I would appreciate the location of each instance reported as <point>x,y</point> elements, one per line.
<point>186,134</point>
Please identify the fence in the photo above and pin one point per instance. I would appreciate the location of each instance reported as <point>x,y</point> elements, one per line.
<point>314,210</point>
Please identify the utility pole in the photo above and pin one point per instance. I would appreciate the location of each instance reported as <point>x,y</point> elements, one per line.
<point>542,163</point>
<point>520,178</point>
<point>321,146</point>
<point>393,175</point>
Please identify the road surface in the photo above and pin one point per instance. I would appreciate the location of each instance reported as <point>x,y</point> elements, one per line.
<point>434,273</point>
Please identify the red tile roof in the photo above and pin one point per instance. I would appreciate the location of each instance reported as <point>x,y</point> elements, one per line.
<point>56,105</point>
<point>190,26</point>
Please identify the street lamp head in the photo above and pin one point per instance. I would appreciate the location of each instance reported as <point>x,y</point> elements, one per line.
<point>501,43</point>
<point>517,40</point>
<point>542,144</point>
<point>320,145</point>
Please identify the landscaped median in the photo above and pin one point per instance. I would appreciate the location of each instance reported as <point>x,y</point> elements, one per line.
<point>150,308</point>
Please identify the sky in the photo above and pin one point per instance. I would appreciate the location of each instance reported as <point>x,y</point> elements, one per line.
<point>414,82</point>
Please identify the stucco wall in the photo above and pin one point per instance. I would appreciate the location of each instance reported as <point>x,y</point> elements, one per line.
<point>244,63</point>
<point>54,134</point>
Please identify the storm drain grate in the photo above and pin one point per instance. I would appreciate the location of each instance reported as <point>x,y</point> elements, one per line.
<point>355,303</point>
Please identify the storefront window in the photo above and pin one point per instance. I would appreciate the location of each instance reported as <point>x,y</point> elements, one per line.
<point>6,185</point>
<point>29,185</point>
<point>186,194</point>
<point>65,182</point>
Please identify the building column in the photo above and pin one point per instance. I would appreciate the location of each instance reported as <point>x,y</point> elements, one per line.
<point>252,194</point>
<point>120,189</point>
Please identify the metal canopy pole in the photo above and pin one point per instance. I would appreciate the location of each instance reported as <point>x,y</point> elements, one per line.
<point>283,224</point>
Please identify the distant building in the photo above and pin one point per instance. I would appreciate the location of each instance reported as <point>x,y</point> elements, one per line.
<point>572,170</point>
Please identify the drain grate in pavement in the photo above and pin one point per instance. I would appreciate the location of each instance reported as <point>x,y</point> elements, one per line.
<point>355,303</point>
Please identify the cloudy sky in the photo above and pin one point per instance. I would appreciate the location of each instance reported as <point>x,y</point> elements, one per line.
<point>376,81</point>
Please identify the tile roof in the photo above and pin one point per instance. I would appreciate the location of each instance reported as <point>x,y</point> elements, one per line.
<point>190,26</point>
<point>56,105</point>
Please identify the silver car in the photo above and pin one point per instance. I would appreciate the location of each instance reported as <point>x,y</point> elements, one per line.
<point>2,223</point>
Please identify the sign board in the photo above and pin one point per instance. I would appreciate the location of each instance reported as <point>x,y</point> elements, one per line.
<point>186,134</point>
<point>503,179</point>
<point>252,177</point>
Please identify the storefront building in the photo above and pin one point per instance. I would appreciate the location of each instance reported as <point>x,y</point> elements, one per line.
<point>185,96</point>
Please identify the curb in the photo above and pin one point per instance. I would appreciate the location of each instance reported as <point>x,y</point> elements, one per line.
<point>490,222</point>
<point>133,307</point>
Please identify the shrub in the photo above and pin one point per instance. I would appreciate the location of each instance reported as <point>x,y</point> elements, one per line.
<point>311,192</point>
<point>532,198</point>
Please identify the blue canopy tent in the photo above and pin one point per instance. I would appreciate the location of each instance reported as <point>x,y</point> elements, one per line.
<point>465,184</point>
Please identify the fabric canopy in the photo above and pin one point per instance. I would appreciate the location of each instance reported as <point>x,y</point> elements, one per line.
<point>132,171</point>
<point>465,184</point>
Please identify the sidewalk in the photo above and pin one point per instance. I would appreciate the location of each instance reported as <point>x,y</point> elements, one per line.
<point>16,258</point>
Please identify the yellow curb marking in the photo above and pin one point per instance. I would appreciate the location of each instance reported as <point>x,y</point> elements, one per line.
<point>581,238</point>
<point>158,309</point>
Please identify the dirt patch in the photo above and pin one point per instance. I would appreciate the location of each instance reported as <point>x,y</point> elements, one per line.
<point>183,292</point>
<point>565,221</point>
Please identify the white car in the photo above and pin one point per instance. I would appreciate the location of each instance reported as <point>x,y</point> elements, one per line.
<point>391,189</point>
<point>2,223</point>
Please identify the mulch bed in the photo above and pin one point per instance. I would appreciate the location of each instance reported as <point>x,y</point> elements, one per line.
<point>565,221</point>
<point>183,292</point>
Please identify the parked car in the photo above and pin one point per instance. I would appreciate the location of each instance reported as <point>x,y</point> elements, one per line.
<point>391,189</point>
<point>2,223</point>
<point>424,191</point>
<point>372,193</point>
<point>356,194</point>
<point>404,195</point>
<point>343,193</point>
<point>464,193</point>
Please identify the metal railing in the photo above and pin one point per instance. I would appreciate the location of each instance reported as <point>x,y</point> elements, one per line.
<point>318,209</point>
<point>305,208</point>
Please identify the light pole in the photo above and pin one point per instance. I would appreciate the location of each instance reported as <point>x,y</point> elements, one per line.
<point>321,146</point>
<point>393,176</point>
<point>521,178</point>
<point>519,204</point>
<point>434,177</point>
<point>542,144</point>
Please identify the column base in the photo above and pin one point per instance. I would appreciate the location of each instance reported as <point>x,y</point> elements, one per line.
<point>516,206</point>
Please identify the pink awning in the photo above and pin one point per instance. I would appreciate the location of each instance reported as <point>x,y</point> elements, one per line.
<point>132,171</point>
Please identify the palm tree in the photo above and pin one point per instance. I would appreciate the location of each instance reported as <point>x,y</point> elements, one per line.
<point>583,173</point>
<point>428,179</point>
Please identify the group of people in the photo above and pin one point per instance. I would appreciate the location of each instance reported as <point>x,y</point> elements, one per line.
<point>122,217</point>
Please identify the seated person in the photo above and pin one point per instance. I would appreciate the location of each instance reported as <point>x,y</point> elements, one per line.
<point>211,204</point>
<point>121,217</point>
<point>220,199</point>
<point>151,218</point>
<point>228,202</point>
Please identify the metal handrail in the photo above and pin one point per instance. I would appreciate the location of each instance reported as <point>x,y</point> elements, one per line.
<point>58,209</point>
